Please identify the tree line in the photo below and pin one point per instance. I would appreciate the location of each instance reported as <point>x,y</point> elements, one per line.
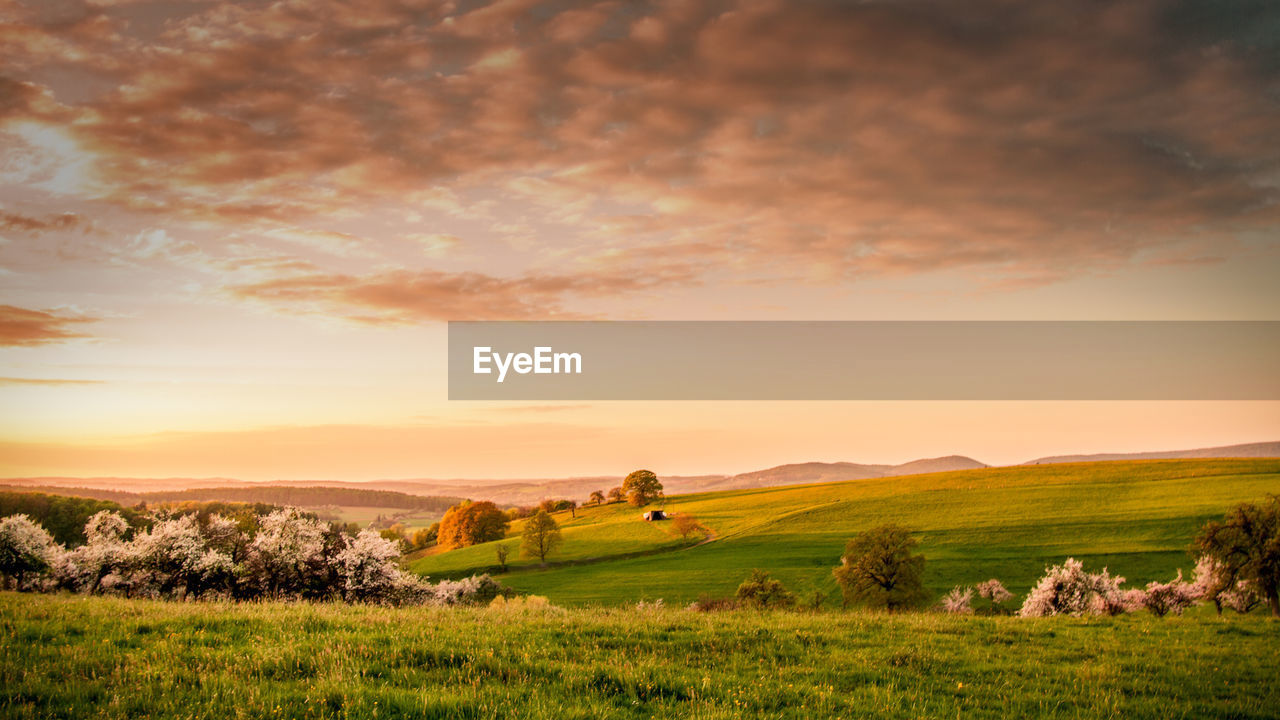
<point>286,553</point>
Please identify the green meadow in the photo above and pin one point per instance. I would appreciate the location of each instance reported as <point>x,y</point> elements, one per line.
<point>1136,517</point>
<point>95,657</point>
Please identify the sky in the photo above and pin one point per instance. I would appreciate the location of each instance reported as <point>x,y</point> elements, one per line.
<point>231,233</point>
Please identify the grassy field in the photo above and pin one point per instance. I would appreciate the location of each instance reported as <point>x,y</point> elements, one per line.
<point>1136,517</point>
<point>74,656</point>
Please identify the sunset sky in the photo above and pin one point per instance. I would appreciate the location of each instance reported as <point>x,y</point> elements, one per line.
<point>231,233</point>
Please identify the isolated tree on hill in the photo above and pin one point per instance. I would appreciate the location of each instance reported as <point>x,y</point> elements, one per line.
<point>878,568</point>
<point>1246,547</point>
<point>685,524</point>
<point>642,487</point>
<point>596,498</point>
<point>541,536</point>
<point>503,552</point>
<point>26,549</point>
<point>472,523</point>
<point>616,495</point>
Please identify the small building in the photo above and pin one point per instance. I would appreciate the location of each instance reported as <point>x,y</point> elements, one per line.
<point>654,515</point>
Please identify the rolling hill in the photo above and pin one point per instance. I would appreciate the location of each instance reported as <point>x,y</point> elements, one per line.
<point>1135,517</point>
<point>1247,450</point>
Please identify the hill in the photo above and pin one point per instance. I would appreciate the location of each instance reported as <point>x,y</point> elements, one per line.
<point>1248,450</point>
<point>1135,517</point>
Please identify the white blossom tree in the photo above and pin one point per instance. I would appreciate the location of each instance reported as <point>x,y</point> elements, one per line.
<point>287,554</point>
<point>368,567</point>
<point>26,550</point>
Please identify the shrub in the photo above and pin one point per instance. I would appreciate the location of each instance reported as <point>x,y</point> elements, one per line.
<point>368,569</point>
<point>1067,589</point>
<point>994,592</point>
<point>959,601</point>
<point>1242,598</point>
<point>685,525</point>
<point>763,592</point>
<point>1171,597</point>
<point>26,550</point>
<point>879,569</point>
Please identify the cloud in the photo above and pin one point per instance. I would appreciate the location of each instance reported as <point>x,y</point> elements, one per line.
<point>810,140</point>
<point>22,327</point>
<point>38,225</point>
<point>52,382</point>
<point>404,296</point>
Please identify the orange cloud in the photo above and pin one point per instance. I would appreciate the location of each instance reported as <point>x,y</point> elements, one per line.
<point>865,139</point>
<point>404,296</point>
<point>21,327</point>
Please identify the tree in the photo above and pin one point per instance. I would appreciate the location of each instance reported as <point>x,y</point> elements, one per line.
<point>503,552</point>
<point>25,548</point>
<point>597,497</point>
<point>616,495</point>
<point>641,487</point>
<point>472,523</point>
<point>763,592</point>
<point>1246,547</point>
<point>368,566</point>
<point>685,525</point>
<point>878,568</point>
<point>424,537</point>
<point>1068,589</point>
<point>287,554</point>
<point>541,536</point>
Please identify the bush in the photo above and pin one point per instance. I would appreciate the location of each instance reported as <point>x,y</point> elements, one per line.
<point>763,592</point>
<point>26,550</point>
<point>994,592</point>
<point>959,601</point>
<point>1067,589</point>
<point>1171,597</point>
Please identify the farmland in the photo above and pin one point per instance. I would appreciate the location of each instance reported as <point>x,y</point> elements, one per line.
<point>1135,517</point>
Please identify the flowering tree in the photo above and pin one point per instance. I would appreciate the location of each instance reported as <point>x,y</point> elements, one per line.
<point>1067,589</point>
<point>287,554</point>
<point>994,592</point>
<point>368,567</point>
<point>1246,546</point>
<point>105,553</point>
<point>1171,597</point>
<point>958,601</point>
<point>173,557</point>
<point>26,549</point>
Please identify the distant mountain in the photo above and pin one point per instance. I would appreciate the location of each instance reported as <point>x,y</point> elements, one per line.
<point>528,492</point>
<point>1248,450</point>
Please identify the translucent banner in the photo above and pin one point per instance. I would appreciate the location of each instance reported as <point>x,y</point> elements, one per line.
<point>864,360</point>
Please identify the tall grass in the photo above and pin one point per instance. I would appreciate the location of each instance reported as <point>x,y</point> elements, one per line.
<point>73,656</point>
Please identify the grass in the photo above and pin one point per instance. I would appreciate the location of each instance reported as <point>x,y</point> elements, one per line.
<point>82,657</point>
<point>1136,517</point>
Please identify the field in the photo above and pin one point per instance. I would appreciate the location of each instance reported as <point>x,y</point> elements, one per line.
<point>1135,517</point>
<point>74,656</point>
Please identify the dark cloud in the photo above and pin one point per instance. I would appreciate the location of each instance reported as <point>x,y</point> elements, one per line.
<point>1027,139</point>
